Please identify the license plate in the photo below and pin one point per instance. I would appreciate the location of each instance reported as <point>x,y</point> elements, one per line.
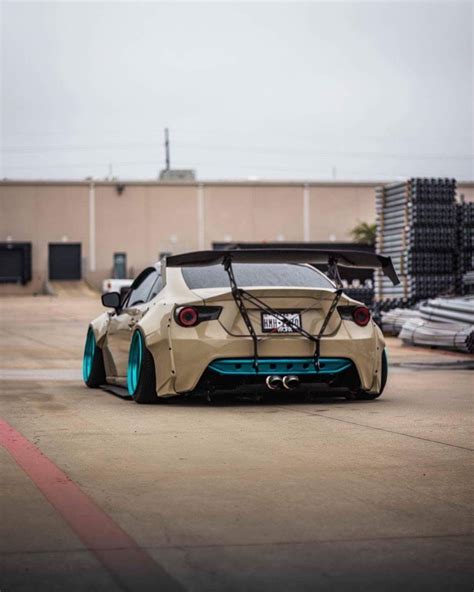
<point>272,324</point>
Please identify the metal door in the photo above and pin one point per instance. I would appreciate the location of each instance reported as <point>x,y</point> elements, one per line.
<point>120,266</point>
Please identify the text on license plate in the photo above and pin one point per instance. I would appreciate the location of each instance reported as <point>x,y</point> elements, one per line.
<point>272,324</point>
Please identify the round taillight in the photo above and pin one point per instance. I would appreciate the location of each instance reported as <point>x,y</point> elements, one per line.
<point>187,316</point>
<point>361,316</point>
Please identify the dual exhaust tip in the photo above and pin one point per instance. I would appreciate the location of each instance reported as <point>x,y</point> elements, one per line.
<point>277,383</point>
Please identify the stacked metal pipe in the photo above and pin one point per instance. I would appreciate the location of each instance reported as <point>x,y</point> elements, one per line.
<point>393,320</point>
<point>439,322</point>
<point>456,336</point>
<point>416,226</point>
<point>445,310</point>
<point>363,294</point>
<point>468,282</point>
<point>465,250</point>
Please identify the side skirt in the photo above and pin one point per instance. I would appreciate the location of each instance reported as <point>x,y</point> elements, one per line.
<point>119,391</point>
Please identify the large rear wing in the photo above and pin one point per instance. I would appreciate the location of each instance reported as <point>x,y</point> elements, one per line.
<point>344,258</point>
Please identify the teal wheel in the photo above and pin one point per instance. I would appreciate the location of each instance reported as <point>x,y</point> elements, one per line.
<point>93,371</point>
<point>134,362</point>
<point>141,379</point>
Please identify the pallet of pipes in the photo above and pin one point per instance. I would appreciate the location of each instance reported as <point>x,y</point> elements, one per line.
<point>416,226</point>
<point>393,320</point>
<point>442,322</point>
<point>465,251</point>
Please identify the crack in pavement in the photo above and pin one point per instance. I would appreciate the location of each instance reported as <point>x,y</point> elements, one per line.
<point>260,544</point>
<point>362,425</point>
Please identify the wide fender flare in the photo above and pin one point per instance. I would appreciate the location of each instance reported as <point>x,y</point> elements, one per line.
<point>99,327</point>
<point>379,348</point>
<point>155,328</point>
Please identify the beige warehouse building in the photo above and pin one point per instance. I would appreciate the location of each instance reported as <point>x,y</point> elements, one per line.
<point>144,219</point>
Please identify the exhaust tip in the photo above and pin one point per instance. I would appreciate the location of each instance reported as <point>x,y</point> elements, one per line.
<point>274,383</point>
<point>291,382</point>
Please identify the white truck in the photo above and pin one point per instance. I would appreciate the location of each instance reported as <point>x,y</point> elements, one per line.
<point>113,285</point>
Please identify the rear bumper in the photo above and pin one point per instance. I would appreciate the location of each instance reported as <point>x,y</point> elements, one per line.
<point>234,373</point>
<point>183,363</point>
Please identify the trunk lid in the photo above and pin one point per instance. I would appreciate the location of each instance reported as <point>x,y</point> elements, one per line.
<point>311,303</point>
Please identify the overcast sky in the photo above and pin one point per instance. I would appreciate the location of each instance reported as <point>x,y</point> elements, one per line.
<point>249,90</point>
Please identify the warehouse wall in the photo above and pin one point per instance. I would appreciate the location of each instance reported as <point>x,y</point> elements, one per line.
<point>249,213</point>
<point>466,189</point>
<point>43,215</point>
<point>334,211</point>
<point>143,222</point>
<point>150,218</point>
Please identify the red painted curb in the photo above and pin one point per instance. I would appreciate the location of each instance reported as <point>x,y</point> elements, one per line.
<point>119,553</point>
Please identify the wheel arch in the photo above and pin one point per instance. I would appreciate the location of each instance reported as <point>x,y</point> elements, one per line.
<point>155,327</point>
<point>99,327</point>
<point>380,348</point>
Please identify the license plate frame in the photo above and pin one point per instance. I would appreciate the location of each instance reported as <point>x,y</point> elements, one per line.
<point>272,324</point>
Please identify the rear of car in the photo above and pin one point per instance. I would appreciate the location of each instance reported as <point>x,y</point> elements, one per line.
<point>211,340</point>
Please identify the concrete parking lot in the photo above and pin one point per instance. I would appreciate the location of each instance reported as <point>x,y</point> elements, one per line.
<point>99,493</point>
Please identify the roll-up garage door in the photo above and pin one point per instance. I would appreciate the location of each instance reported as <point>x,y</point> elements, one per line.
<point>65,261</point>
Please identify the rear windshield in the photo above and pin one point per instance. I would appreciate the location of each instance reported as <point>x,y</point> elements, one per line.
<point>252,275</point>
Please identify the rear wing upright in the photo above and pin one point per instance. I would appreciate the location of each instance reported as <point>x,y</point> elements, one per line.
<point>333,258</point>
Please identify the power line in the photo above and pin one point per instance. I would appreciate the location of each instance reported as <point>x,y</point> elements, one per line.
<point>221,131</point>
<point>233,148</point>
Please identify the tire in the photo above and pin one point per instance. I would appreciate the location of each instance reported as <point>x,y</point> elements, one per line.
<point>141,379</point>
<point>363,395</point>
<point>93,370</point>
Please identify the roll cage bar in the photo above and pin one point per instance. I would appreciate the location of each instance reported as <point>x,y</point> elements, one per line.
<point>241,296</point>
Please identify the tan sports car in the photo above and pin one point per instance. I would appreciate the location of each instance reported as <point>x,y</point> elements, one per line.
<point>242,320</point>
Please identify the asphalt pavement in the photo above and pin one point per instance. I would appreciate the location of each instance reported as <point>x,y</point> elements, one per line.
<point>99,493</point>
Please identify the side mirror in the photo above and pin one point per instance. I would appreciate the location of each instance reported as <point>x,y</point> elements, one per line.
<point>111,300</point>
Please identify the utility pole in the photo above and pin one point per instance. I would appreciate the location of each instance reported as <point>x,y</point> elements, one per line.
<point>167,148</point>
